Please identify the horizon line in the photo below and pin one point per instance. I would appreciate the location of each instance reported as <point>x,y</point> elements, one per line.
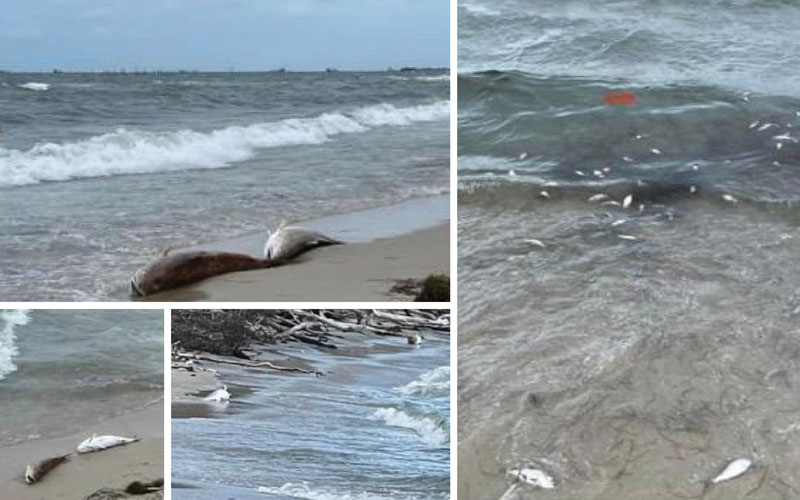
<point>231,70</point>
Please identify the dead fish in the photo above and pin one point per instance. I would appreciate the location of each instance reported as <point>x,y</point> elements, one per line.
<point>544,194</point>
<point>100,443</point>
<point>534,242</point>
<point>656,151</point>
<point>733,470</point>
<point>729,198</point>
<point>754,124</point>
<point>533,477</point>
<point>627,201</point>
<point>606,170</point>
<point>695,167</point>
<point>610,203</point>
<point>618,222</point>
<point>627,158</point>
<point>523,155</point>
<point>628,237</point>
<point>598,197</point>
<point>34,473</point>
<point>598,173</point>
<point>766,126</point>
<point>580,173</point>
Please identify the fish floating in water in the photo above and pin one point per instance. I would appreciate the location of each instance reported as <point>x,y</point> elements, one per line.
<point>219,396</point>
<point>627,201</point>
<point>100,443</point>
<point>535,242</point>
<point>733,470</point>
<point>35,473</point>
<point>598,197</point>
<point>533,477</point>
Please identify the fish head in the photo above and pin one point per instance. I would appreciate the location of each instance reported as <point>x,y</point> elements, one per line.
<point>30,475</point>
<point>136,283</point>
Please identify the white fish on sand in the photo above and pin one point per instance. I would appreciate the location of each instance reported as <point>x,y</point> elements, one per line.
<point>627,201</point>
<point>627,237</point>
<point>618,222</point>
<point>766,126</point>
<point>219,396</point>
<point>695,167</point>
<point>535,242</point>
<point>288,242</point>
<point>754,124</point>
<point>533,477</point>
<point>544,194</point>
<point>598,173</point>
<point>627,158</point>
<point>523,155</point>
<point>579,172</point>
<point>733,470</point>
<point>99,443</point>
<point>656,151</point>
<point>610,203</point>
<point>598,197</point>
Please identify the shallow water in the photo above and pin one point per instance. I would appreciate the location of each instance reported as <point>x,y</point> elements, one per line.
<point>62,370</point>
<point>99,171</point>
<point>629,352</point>
<point>375,427</point>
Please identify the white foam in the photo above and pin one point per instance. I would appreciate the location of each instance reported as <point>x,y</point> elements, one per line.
<point>8,349</point>
<point>140,152</point>
<point>425,78</point>
<point>436,381</point>
<point>426,428</point>
<point>34,86</point>
<point>303,490</point>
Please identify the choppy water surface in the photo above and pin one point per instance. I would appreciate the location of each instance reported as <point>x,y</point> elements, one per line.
<point>629,352</point>
<point>99,171</point>
<point>376,427</point>
<point>63,370</point>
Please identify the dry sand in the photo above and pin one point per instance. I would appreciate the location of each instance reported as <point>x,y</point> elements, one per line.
<point>85,474</point>
<point>350,272</point>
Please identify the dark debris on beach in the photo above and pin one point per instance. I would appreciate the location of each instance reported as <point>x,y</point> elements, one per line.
<point>232,332</point>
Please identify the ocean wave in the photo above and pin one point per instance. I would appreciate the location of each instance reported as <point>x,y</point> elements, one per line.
<point>8,349</point>
<point>140,152</point>
<point>436,381</point>
<point>34,86</point>
<point>428,430</point>
<point>303,490</point>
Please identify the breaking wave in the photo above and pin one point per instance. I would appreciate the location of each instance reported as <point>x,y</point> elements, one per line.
<point>139,152</point>
<point>429,430</point>
<point>8,349</point>
<point>436,381</point>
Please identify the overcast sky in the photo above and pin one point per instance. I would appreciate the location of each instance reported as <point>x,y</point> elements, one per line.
<point>87,35</point>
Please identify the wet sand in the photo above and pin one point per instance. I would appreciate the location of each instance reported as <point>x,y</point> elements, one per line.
<point>85,474</point>
<point>364,271</point>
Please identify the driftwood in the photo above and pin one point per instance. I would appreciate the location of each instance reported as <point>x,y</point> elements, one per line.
<point>232,332</point>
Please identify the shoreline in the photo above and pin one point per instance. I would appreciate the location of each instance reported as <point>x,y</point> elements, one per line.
<point>84,474</point>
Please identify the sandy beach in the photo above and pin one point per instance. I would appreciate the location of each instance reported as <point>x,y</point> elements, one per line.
<point>355,271</point>
<point>85,474</point>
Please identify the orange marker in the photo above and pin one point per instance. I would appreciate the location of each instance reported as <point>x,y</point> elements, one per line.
<point>620,98</point>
